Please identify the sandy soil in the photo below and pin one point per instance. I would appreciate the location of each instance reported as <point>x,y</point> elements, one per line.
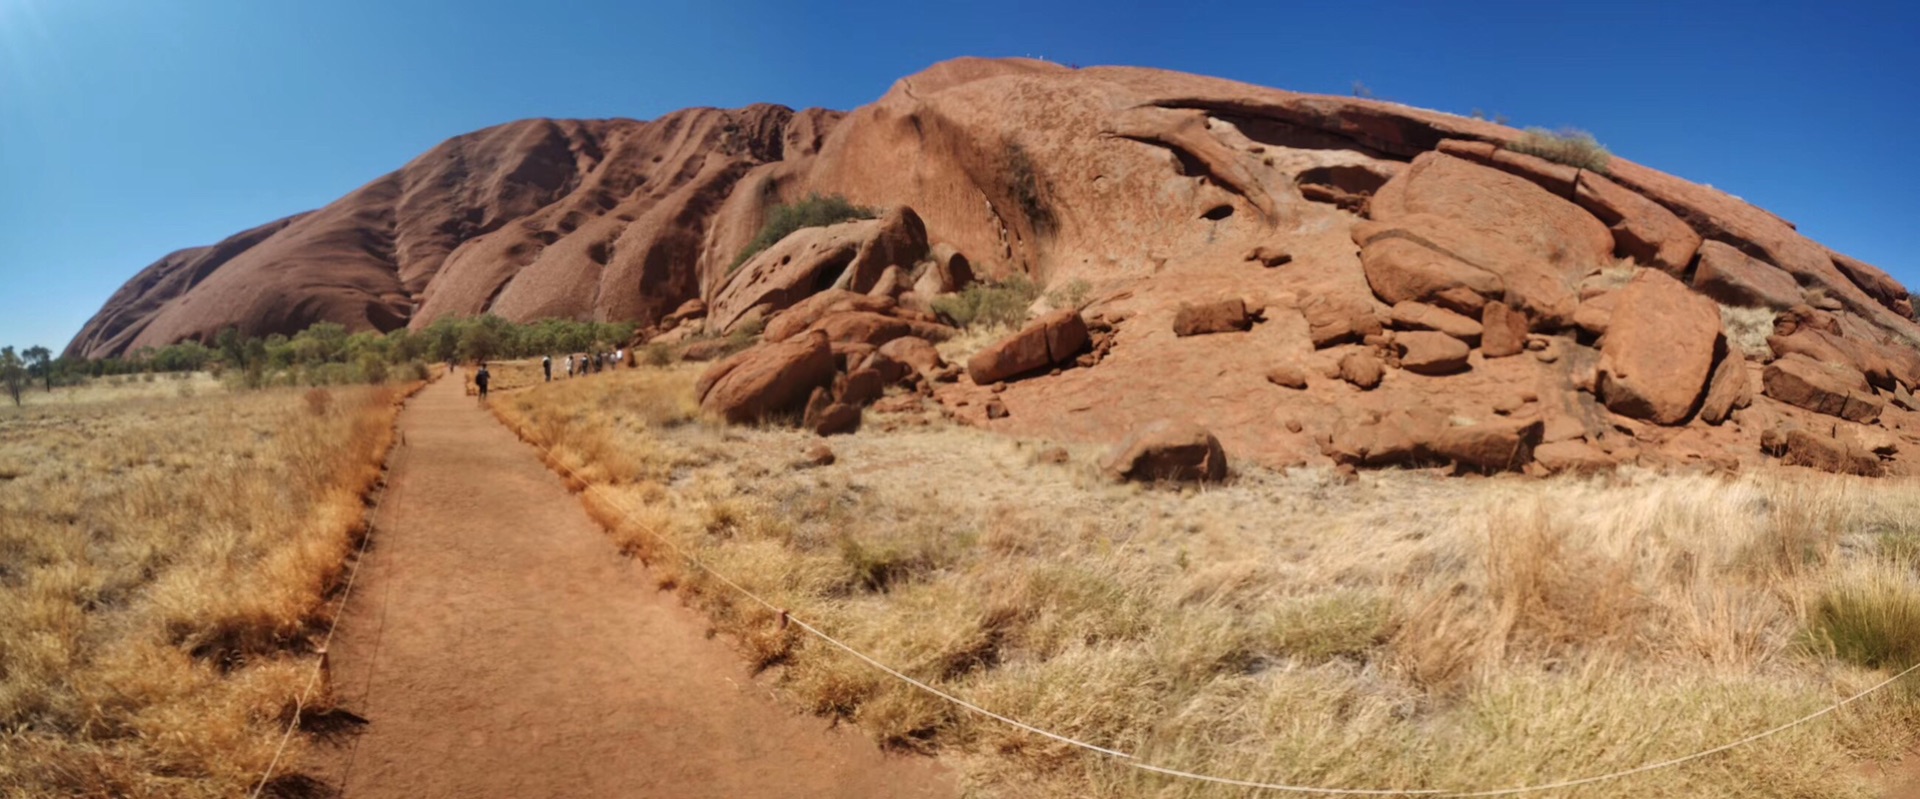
<point>497,645</point>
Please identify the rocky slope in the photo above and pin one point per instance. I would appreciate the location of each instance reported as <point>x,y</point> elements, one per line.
<point>1309,278</point>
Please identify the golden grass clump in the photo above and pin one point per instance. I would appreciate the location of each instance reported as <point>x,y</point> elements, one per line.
<point>1407,631</point>
<point>1748,329</point>
<point>163,562</point>
<point>1570,146</point>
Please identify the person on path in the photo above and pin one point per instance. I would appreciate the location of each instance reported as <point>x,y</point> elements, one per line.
<point>569,364</point>
<point>546,365</point>
<point>481,378</point>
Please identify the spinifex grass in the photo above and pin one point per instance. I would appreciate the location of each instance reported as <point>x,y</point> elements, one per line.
<point>1407,631</point>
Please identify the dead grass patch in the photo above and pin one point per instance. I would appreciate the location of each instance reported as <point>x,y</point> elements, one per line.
<point>162,571</point>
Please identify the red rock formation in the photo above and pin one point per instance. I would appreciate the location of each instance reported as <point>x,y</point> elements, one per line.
<point>1341,223</point>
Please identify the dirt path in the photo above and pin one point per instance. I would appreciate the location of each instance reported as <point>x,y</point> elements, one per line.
<point>498,646</point>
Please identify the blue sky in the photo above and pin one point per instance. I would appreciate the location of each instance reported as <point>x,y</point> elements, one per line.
<point>131,128</point>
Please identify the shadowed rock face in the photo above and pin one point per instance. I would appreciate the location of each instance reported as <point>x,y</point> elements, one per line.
<point>535,219</point>
<point>1157,191</point>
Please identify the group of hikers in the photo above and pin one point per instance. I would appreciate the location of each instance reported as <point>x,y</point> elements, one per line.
<point>582,364</point>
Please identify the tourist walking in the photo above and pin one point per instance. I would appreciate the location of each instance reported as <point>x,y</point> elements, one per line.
<point>546,365</point>
<point>481,378</point>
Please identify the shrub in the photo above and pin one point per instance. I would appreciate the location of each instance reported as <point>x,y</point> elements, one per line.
<point>1873,623</point>
<point>988,304</point>
<point>817,210</point>
<point>1075,294</point>
<point>1570,146</point>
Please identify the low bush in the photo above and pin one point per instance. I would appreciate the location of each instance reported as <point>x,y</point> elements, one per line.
<point>989,304</point>
<point>1570,146</point>
<point>1873,623</point>
<point>817,210</point>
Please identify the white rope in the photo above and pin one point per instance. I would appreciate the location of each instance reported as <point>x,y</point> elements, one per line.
<point>1135,762</point>
<point>326,643</point>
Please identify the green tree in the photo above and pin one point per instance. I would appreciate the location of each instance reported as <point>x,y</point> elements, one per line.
<point>443,338</point>
<point>13,373</point>
<point>485,338</point>
<point>233,347</point>
<point>40,364</point>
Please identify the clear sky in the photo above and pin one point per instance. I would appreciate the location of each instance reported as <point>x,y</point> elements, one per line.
<point>131,128</point>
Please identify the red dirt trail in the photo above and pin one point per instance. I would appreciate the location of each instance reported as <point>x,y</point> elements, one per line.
<point>498,646</point>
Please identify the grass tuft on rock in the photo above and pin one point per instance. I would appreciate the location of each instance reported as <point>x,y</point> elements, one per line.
<point>1570,146</point>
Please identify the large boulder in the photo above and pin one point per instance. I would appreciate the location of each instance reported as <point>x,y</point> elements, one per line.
<point>1416,433</point>
<point>1051,339</point>
<point>946,271</point>
<point>1218,316</point>
<point>1491,446</point>
<point>1727,390</point>
<point>803,314</point>
<point>1876,283</point>
<point>1503,331</point>
<point>1536,243</point>
<point>1362,368</point>
<point>1166,449</point>
<point>899,239</point>
<point>1556,178</point>
<point>791,270</point>
<point>767,380</point>
<point>1338,319</point>
<point>1834,389</point>
<point>915,352</point>
<point>846,327</point>
<point>1573,456</point>
<point>1659,349</point>
<point>1642,229</point>
<point>892,283</point>
<point>1420,316</point>
<point>1400,269</point>
<point>1863,356</point>
<point>1840,453</point>
<point>1395,438</point>
<point>1431,353</point>
<point>1735,278</point>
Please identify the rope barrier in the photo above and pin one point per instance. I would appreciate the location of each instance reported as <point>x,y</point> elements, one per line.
<point>326,643</point>
<point>786,617</point>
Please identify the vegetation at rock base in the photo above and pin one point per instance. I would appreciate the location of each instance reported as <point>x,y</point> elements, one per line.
<point>989,304</point>
<point>1570,146</point>
<point>327,355</point>
<point>816,210</point>
<point>1407,630</point>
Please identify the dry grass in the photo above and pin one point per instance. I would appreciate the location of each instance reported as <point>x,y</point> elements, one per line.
<point>120,388</point>
<point>1407,631</point>
<point>162,564</point>
<point>1748,329</point>
<point>1570,146</point>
